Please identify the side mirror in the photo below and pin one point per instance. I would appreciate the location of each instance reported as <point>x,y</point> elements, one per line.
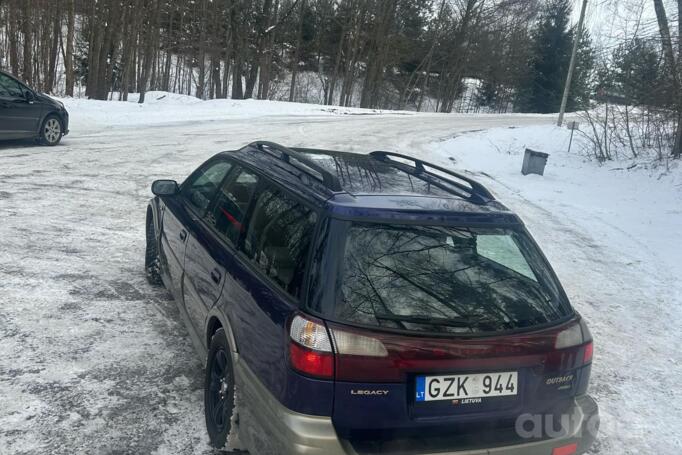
<point>30,97</point>
<point>165,188</point>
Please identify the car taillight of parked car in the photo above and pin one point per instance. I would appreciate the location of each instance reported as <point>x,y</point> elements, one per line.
<point>574,347</point>
<point>312,347</point>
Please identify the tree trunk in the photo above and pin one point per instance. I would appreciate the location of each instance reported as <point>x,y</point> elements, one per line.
<point>297,53</point>
<point>27,31</point>
<point>337,66</point>
<point>238,51</point>
<point>201,57</point>
<point>376,60</point>
<point>228,58</point>
<point>68,57</point>
<point>54,50</point>
<point>267,54</point>
<point>148,58</point>
<point>666,43</point>
<point>95,46</point>
<point>12,16</point>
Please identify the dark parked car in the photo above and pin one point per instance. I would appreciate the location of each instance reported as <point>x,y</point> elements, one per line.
<point>369,304</point>
<point>25,113</point>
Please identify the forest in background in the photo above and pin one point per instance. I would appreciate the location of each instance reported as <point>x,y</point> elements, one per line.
<point>391,54</point>
<point>423,55</point>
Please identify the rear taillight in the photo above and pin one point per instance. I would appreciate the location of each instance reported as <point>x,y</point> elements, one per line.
<point>346,343</point>
<point>576,336</point>
<point>569,338</point>
<point>589,351</point>
<point>310,349</point>
<point>313,350</point>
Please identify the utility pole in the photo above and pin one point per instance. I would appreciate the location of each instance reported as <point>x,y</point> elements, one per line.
<point>571,67</point>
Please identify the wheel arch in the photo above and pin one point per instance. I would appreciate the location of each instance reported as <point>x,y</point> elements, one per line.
<point>45,114</point>
<point>153,213</point>
<point>217,320</point>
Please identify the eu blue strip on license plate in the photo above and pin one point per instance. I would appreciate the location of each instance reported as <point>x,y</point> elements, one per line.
<point>421,388</point>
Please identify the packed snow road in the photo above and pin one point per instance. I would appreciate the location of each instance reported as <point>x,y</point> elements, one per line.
<point>94,360</point>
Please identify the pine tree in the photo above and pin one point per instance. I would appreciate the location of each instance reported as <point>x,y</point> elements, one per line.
<point>638,74</point>
<point>581,87</point>
<point>551,54</point>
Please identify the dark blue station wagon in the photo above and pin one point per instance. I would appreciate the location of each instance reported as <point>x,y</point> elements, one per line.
<point>368,304</point>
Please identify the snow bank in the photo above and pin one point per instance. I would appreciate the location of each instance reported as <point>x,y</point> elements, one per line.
<point>641,197</point>
<point>164,108</point>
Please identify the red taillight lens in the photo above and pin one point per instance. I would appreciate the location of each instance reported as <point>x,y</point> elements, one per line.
<point>310,349</point>
<point>312,363</point>
<point>316,351</point>
<point>589,352</point>
<point>566,450</point>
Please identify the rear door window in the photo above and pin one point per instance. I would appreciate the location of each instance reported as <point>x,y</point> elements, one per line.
<point>445,279</point>
<point>279,237</point>
<point>201,187</point>
<point>229,210</point>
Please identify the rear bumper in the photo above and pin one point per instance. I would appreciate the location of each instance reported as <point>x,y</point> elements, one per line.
<point>582,431</point>
<point>267,427</point>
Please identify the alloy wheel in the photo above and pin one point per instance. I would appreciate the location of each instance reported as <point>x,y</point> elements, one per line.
<point>220,391</point>
<point>53,130</point>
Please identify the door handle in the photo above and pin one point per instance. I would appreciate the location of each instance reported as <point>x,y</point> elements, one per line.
<point>183,235</point>
<point>215,276</point>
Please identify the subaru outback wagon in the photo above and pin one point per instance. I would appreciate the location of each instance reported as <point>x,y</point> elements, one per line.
<point>368,304</point>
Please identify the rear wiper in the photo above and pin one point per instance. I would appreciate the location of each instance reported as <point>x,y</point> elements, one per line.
<point>447,322</point>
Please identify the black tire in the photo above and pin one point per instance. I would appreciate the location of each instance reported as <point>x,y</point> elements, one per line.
<point>51,131</point>
<point>152,265</point>
<point>219,390</point>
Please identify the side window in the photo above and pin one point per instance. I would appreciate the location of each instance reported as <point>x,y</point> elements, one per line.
<point>227,216</point>
<point>279,236</point>
<point>9,87</point>
<point>200,190</point>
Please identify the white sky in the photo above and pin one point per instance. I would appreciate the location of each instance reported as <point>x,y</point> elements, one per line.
<point>611,21</point>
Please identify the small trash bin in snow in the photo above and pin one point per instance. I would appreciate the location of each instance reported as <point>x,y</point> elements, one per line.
<point>534,162</point>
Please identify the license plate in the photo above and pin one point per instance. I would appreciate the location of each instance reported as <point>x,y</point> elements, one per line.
<point>455,387</point>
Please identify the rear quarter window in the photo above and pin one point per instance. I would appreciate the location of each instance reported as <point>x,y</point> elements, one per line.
<point>278,239</point>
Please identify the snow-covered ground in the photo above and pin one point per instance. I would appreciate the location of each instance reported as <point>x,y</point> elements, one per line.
<point>615,238</point>
<point>94,360</point>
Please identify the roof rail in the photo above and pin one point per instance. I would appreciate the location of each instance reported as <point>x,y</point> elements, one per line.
<point>420,167</point>
<point>286,154</point>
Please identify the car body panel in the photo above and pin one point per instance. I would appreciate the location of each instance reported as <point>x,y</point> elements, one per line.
<point>173,242</point>
<point>204,276</point>
<point>20,118</point>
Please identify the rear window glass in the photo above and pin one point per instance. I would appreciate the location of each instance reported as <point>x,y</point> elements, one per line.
<point>445,279</point>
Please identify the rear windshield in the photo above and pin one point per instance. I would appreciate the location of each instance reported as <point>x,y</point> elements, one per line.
<point>445,279</point>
